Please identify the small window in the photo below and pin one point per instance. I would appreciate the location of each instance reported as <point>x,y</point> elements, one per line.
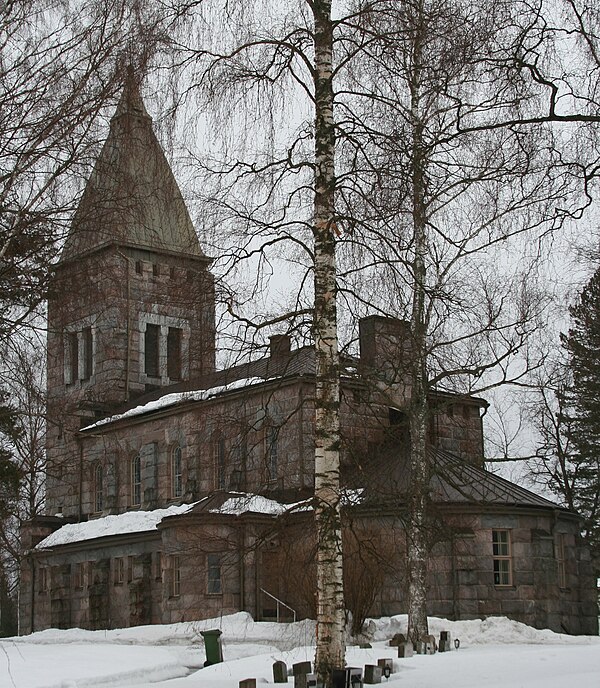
<point>158,566</point>
<point>176,474</point>
<point>119,573</point>
<point>271,450</point>
<point>87,343</point>
<point>213,568</point>
<point>219,449</point>
<point>561,561</point>
<point>502,557</point>
<point>43,580</point>
<point>175,576</point>
<point>138,267</point>
<point>155,270</point>
<point>152,350</point>
<point>98,478</point>
<point>136,481</point>
<point>72,357</point>
<point>174,353</point>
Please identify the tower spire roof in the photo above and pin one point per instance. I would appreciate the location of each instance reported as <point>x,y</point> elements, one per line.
<point>132,197</point>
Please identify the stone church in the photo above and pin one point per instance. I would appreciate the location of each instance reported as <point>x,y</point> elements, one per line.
<point>177,491</point>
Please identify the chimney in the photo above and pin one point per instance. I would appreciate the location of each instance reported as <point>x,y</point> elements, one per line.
<point>384,345</point>
<point>280,346</point>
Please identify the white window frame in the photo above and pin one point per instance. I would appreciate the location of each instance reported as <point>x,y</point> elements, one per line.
<point>502,558</point>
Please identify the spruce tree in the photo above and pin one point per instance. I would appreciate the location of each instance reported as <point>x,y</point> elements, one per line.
<point>582,417</point>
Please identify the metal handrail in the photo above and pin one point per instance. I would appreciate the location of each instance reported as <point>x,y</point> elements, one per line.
<point>279,602</point>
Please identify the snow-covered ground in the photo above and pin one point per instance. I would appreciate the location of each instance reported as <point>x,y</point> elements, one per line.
<point>494,653</point>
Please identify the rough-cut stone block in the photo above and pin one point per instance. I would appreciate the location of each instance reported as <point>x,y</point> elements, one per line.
<point>405,650</point>
<point>386,662</point>
<point>372,674</point>
<point>280,672</point>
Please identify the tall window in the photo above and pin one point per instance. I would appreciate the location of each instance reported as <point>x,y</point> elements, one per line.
<point>561,561</point>
<point>213,576</point>
<point>79,575</point>
<point>43,580</point>
<point>175,576</point>
<point>271,451</point>
<point>176,474</point>
<point>136,481</point>
<point>72,357</point>
<point>119,572</point>
<point>152,350</point>
<point>219,451</point>
<point>86,343</point>
<point>174,353</point>
<point>501,549</point>
<point>98,478</point>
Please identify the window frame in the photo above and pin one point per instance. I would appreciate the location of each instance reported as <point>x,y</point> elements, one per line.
<point>87,354</point>
<point>175,578</point>
<point>220,462</point>
<point>214,563</point>
<point>176,471</point>
<point>135,480</point>
<point>502,554</point>
<point>119,571</point>
<point>272,452</point>
<point>561,560</point>
<point>152,336</point>
<point>98,487</point>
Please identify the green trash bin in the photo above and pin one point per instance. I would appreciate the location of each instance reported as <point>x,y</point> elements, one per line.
<point>212,645</point>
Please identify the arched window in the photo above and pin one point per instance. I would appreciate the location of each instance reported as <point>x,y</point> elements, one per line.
<point>98,487</point>
<point>176,472</point>
<point>136,481</point>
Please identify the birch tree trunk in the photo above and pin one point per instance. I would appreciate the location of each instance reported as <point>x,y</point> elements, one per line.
<point>417,553</point>
<point>330,593</point>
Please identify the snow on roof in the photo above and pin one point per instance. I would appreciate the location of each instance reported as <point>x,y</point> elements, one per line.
<point>177,398</point>
<point>257,504</point>
<point>130,522</point>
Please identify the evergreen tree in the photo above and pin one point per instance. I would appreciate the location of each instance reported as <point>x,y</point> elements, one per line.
<point>582,410</point>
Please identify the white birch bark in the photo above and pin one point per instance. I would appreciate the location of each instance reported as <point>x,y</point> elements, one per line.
<point>330,593</point>
<point>417,551</point>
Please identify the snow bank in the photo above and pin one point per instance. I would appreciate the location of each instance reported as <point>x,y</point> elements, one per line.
<point>130,522</point>
<point>493,630</point>
<point>178,398</point>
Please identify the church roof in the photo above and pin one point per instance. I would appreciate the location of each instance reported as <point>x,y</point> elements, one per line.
<point>132,197</point>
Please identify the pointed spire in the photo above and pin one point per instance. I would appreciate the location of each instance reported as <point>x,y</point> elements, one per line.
<point>132,197</point>
<point>131,103</point>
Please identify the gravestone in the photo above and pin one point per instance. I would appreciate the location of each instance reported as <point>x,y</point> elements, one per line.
<point>386,662</point>
<point>397,640</point>
<point>419,647</point>
<point>365,646</point>
<point>280,672</point>
<point>405,650</point>
<point>446,643</point>
<point>301,670</point>
<point>372,674</point>
<point>430,644</point>
<point>248,683</point>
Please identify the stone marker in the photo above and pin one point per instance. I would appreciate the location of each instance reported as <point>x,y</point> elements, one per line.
<point>365,646</point>
<point>446,643</point>
<point>301,671</point>
<point>397,640</point>
<point>301,668</point>
<point>419,647</point>
<point>386,661</point>
<point>405,650</point>
<point>248,683</point>
<point>311,680</point>
<point>280,672</point>
<point>430,644</point>
<point>372,674</point>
